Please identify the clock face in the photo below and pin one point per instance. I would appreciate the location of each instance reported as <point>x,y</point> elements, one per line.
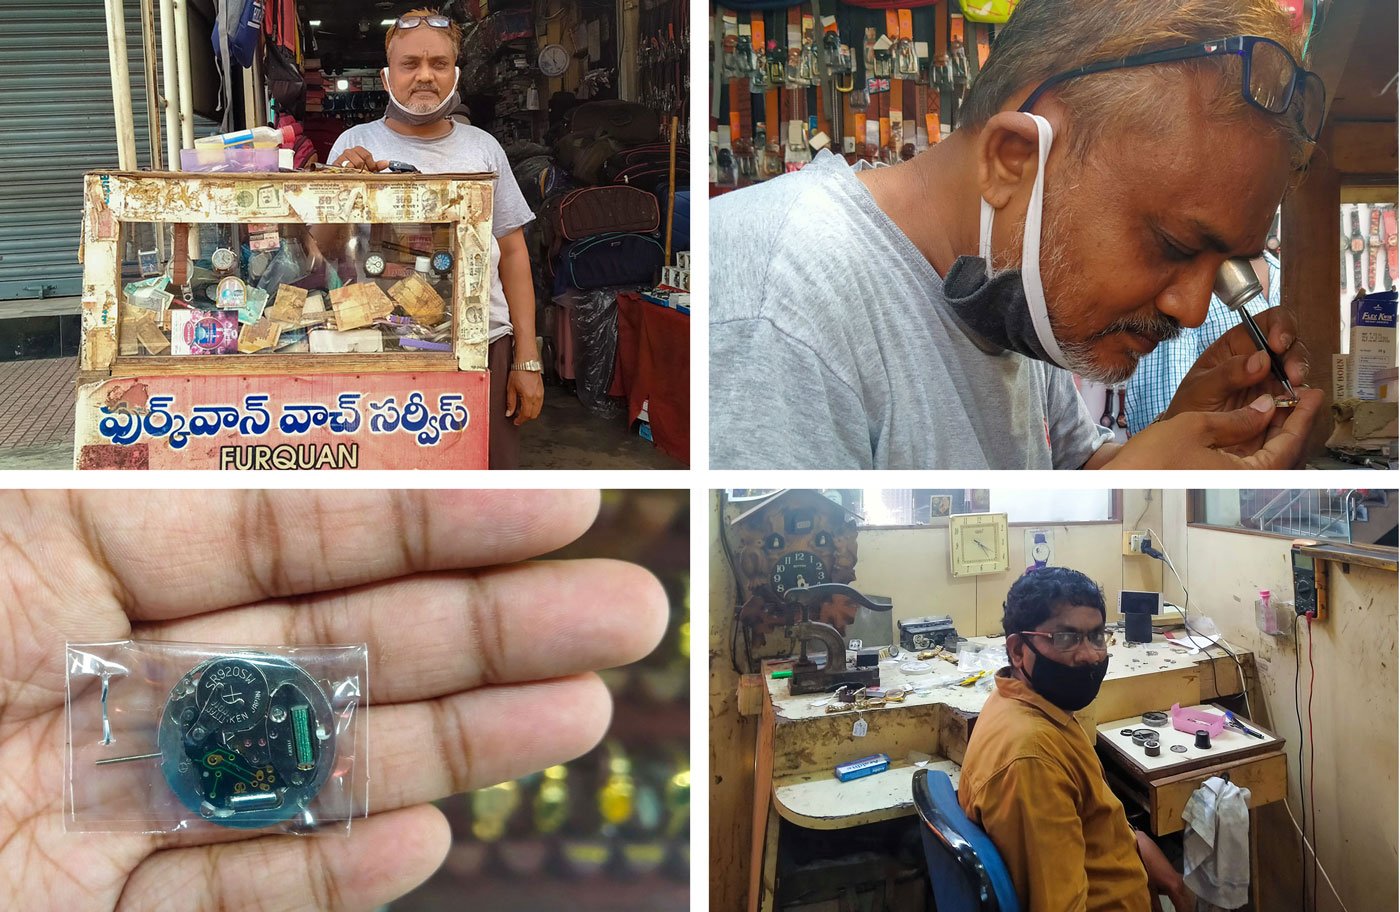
<point>797,570</point>
<point>374,264</point>
<point>554,60</point>
<point>978,543</point>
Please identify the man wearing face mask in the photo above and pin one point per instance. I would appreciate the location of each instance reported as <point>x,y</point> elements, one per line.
<point>1031,779</point>
<point>1111,155</point>
<point>421,79</point>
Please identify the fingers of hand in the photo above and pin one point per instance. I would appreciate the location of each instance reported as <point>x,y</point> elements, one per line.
<point>1224,429</point>
<point>353,158</point>
<point>1279,327</point>
<point>1296,364</point>
<point>384,857</point>
<point>156,548</point>
<point>466,630</point>
<point>1284,444</point>
<point>428,750</point>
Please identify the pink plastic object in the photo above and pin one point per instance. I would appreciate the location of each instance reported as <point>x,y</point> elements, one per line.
<point>1191,721</point>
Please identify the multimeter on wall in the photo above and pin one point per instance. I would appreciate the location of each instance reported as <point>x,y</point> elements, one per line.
<point>1309,585</point>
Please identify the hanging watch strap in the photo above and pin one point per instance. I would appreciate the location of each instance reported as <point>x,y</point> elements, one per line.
<point>1358,248</point>
<point>1376,268</point>
<point>1392,252</point>
<point>180,261</point>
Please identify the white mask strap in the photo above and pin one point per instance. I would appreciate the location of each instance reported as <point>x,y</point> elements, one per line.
<point>1030,248</point>
<point>984,244</point>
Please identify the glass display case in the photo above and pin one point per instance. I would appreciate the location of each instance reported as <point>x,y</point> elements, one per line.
<point>300,320</point>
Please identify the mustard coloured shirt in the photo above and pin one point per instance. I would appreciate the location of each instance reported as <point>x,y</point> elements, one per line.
<point>1032,781</point>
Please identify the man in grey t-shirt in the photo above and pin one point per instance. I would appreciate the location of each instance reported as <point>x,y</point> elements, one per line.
<point>417,129</point>
<point>920,316</point>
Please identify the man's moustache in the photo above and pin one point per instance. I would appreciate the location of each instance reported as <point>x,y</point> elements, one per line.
<point>1159,328</point>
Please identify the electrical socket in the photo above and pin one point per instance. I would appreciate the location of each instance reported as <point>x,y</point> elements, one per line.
<point>1132,542</point>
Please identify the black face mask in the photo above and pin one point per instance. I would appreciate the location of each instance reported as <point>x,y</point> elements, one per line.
<point>993,311</point>
<point>1070,687</point>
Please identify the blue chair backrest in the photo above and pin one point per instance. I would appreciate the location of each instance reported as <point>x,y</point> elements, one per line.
<point>964,868</point>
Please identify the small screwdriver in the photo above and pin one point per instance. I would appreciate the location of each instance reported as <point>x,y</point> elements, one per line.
<point>1237,285</point>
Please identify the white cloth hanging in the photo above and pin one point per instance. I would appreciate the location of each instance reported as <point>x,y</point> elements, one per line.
<point>1216,843</point>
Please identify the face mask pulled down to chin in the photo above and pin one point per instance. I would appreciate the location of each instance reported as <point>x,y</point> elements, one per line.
<point>1070,687</point>
<point>1007,311</point>
<point>398,112</point>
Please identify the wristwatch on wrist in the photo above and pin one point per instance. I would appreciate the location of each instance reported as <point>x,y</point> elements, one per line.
<point>533,367</point>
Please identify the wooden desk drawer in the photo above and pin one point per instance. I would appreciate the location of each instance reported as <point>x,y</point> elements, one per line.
<point>1266,777</point>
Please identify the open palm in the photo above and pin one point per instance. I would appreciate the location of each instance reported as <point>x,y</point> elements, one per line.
<point>480,670</point>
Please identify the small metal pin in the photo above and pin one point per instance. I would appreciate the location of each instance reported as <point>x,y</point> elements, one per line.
<point>126,759</point>
<point>106,723</point>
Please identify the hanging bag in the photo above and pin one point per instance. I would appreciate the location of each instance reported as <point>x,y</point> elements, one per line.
<point>282,66</point>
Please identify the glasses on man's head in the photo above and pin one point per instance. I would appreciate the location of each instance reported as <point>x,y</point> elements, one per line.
<point>1069,640</point>
<point>1270,79</point>
<point>408,22</point>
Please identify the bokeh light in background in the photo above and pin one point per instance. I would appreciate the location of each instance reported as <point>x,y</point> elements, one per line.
<point>609,831</point>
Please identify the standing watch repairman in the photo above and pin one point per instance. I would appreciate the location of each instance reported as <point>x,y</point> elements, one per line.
<point>422,47</point>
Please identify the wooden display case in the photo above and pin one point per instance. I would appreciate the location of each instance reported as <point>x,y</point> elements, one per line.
<point>142,406</point>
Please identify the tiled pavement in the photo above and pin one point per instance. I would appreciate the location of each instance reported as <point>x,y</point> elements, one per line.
<point>36,402</point>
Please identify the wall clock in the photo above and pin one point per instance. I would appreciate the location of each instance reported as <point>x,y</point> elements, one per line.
<point>554,60</point>
<point>978,543</point>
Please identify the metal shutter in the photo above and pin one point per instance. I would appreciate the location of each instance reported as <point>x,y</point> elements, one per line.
<point>56,122</point>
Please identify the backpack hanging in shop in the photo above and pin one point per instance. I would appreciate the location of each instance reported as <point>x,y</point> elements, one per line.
<point>282,63</point>
<point>243,34</point>
<point>238,26</point>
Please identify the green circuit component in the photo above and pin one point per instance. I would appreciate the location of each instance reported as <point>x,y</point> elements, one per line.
<point>301,728</point>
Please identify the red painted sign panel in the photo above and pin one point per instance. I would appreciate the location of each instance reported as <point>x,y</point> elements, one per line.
<point>325,421</point>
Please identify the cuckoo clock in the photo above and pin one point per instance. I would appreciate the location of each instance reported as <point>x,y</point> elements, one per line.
<point>790,540</point>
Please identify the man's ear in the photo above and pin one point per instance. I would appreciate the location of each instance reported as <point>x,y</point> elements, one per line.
<point>1014,644</point>
<point>1008,149</point>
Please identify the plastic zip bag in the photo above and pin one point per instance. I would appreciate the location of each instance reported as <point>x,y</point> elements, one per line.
<point>168,737</point>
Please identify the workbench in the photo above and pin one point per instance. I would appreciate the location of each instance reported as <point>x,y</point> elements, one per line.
<point>799,742</point>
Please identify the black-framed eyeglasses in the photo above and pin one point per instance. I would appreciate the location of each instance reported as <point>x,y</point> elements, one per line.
<point>408,22</point>
<point>1271,79</point>
<point>1069,640</point>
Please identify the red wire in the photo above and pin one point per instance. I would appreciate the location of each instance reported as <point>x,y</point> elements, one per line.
<point>1312,678</point>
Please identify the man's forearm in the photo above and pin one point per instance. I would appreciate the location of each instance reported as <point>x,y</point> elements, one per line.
<point>1102,455</point>
<point>519,287</point>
